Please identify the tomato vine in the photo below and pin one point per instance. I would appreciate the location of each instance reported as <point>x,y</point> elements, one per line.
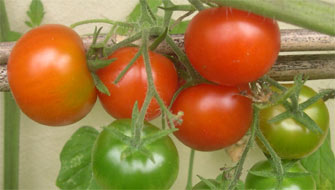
<point>149,31</point>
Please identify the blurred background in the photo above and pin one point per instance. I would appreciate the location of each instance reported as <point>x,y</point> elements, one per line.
<point>40,145</point>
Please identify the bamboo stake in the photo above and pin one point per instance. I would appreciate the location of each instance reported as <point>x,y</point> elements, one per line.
<point>316,66</point>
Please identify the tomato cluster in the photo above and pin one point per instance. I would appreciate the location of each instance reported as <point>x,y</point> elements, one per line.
<point>217,115</point>
<point>52,84</point>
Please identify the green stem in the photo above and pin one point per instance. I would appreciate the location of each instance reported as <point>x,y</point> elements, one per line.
<point>239,166</point>
<point>183,58</point>
<point>123,43</point>
<point>312,14</point>
<point>197,4</point>
<point>276,159</point>
<point>12,139</point>
<point>190,170</point>
<point>106,21</point>
<point>167,13</point>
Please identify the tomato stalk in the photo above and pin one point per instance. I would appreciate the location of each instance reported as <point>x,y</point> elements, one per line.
<point>312,14</point>
<point>193,74</point>
<point>190,170</point>
<point>276,159</point>
<point>12,142</point>
<point>239,165</point>
<point>197,4</point>
<point>11,117</point>
<point>106,21</point>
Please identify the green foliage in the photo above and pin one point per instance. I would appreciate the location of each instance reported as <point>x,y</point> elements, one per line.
<point>76,170</point>
<point>134,17</point>
<point>35,13</point>
<point>135,14</point>
<point>180,28</point>
<point>321,164</point>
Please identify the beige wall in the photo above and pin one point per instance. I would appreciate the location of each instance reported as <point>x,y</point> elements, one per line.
<point>41,145</point>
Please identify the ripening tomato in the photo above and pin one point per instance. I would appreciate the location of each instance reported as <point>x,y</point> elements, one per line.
<point>133,86</point>
<point>289,138</point>
<point>48,76</point>
<point>302,182</point>
<point>214,116</point>
<point>230,46</point>
<point>137,171</point>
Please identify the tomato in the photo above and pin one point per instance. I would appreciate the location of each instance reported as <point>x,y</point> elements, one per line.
<point>289,183</point>
<point>136,171</point>
<point>290,139</point>
<point>48,76</point>
<point>133,86</point>
<point>214,116</point>
<point>230,46</point>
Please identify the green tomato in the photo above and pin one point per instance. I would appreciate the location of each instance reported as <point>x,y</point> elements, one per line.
<point>289,183</point>
<point>136,171</point>
<point>290,139</point>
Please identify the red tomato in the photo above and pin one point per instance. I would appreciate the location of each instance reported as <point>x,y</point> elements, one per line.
<point>133,86</point>
<point>230,46</point>
<point>214,116</point>
<point>48,76</point>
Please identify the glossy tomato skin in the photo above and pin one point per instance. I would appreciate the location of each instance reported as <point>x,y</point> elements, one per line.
<point>289,183</point>
<point>290,139</point>
<point>136,171</point>
<point>230,46</point>
<point>48,76</point>
<point>214,116</point>
<point>133,86</point>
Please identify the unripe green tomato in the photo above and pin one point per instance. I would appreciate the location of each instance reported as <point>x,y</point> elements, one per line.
<point>269,183</point>
<point>289,138</point>
<point>136,171</point>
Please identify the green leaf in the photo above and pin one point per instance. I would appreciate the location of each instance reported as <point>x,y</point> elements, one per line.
<point>267,174</point>
<point>76,169</point>
<point>134,16</point>
<point>321,164</point>
<point>35,13</point>
<point>209,183</point>
<point>180,28</point>
<point>99,84</point>
<point>6,35</point>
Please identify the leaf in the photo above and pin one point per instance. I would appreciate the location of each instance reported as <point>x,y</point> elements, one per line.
<point>180,28</point>
<point>266,174</point>
<point>6,35</point>
<point>76,170</point>
<point>35,13</point>
<point>99,84</point>
<point>321,164</point>
<point>136,13</point>
<point>208,182</point>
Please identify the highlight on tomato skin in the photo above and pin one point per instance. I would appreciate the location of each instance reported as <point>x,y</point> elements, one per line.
<point>214,116</point>
<point>48,76</point>
<point>133,85</point>
<point>230,46</point>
